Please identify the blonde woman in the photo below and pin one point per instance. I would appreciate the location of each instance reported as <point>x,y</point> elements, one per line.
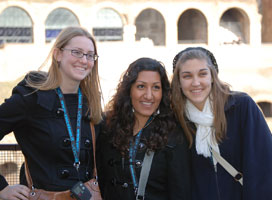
<point>38,110</point>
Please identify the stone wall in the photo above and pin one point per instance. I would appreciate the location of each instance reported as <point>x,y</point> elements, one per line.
<point>266,21</point>
<point>248,61</point>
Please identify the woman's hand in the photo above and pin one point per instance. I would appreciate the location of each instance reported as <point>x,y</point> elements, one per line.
<point>15,192</point>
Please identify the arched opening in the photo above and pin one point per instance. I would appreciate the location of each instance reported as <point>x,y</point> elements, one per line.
<point>57,20</point>
<point>15,26</point>
<point>108,25</point>
<point>266,108</point>
<point>150,24</point>
<point>235,22</point>
<point>192,27</point>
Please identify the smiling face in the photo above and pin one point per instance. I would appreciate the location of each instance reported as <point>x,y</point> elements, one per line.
<point>196,81</point>
<point>146,94</point>
<point>73,69</point>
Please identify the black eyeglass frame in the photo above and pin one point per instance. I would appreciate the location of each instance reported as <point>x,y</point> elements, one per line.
<point>79,54</point>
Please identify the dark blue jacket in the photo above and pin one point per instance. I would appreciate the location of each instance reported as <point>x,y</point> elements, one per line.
<point>247,147</point>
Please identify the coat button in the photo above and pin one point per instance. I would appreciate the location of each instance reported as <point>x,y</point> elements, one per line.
<point>141,146</point>
<point>138,163</point>
<point>67,142</point>
<point>88,175</point>
<point>65,173</point>
<point>125,185</point>
<point>87,143</point>
<point>60,112</point>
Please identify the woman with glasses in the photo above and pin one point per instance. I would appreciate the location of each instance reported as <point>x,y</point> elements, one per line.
<point>231,142</point>
<point>139,123</point>
<point>50,115</point>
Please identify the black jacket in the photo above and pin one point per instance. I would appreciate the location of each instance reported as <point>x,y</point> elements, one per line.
<point>37,120</point>
<point>169,177</point>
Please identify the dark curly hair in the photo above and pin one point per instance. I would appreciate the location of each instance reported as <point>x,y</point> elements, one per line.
<point>120,117</point>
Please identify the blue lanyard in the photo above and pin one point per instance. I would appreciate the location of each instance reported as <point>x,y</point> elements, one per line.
<point>75,143</point>
<point>132,154</point>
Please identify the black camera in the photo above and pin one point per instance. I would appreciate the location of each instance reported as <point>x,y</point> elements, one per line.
<point>80,192</point>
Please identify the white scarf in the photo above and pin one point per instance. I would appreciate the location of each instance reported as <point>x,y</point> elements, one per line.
<point>205,139</point>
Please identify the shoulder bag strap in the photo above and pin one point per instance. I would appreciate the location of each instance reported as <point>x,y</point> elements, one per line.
<point>144,174</point>
<point>238,176</point>
<point>28,176</point>
<point>93,139</point>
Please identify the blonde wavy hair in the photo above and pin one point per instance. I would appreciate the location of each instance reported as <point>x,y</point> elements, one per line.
<point>90,85</point>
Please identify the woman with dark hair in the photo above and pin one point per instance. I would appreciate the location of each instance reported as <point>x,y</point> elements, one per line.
<point>139,121</point>
<point>50,115</point>
<point>231,142</point>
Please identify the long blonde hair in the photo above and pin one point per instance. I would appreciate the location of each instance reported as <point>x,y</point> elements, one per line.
<point>219,93</point>
<point>90,85</point>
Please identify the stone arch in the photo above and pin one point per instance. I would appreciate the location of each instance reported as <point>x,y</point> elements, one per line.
<point>57,20</point>
<point>192,27</point>
<point>236,21</point>
<point>150,24</point>
<point>16,26</point>
<point>108,25</point>
<point>266,107</point>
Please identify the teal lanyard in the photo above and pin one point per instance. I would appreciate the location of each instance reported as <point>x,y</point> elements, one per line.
<point>132,155</point>
<point>75,142</point>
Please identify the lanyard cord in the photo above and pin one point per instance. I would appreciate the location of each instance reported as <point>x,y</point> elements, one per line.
<point>132,154</point>
<point>75,143</point>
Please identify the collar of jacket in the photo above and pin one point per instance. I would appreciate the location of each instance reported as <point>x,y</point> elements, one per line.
<point>46,98</point>
<point>233,100</point>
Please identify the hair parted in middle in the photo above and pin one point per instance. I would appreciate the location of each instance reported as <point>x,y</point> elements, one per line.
<point>120,116</point>
<point>219,93</point>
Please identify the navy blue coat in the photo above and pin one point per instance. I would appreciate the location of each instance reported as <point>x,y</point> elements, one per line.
<point>247,147</point>
<point>37,120</point>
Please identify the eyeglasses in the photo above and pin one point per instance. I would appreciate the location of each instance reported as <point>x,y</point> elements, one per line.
<point>80,54</point>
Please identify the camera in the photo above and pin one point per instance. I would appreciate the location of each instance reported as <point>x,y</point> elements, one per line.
<point>81,192</point>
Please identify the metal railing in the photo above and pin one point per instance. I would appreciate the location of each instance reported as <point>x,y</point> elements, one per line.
<point>11,159</point>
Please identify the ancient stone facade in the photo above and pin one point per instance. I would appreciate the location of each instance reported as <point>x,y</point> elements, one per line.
<point>165,22</point>
<point>126,30</point>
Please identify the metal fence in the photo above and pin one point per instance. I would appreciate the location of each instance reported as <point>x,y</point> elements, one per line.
<point>11,159</point>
